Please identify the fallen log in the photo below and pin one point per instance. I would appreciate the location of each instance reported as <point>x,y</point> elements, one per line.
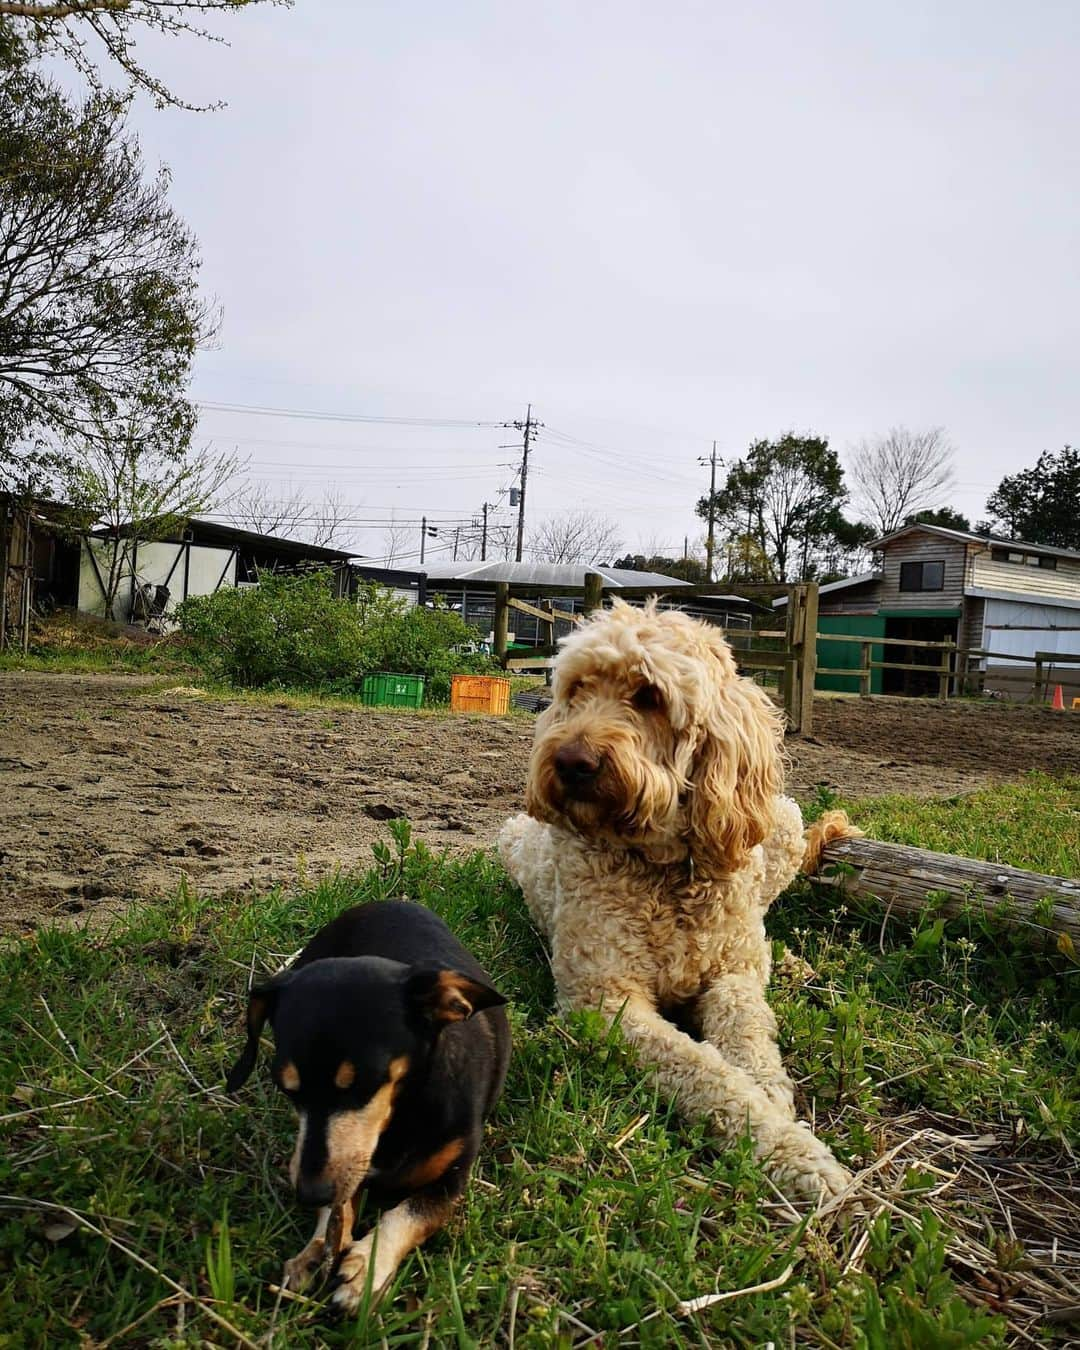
<point>901,878</point>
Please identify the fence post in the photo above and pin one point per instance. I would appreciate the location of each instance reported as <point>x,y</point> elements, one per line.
<point>1036,693</point>
<point>502,613</point>
<point>866,674</point>
<point>808,658</point>
<point>789,672</point>
<point>945,670</point>
<point>594,592</point>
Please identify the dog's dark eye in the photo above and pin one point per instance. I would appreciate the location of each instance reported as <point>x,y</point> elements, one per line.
<point>648,698</point>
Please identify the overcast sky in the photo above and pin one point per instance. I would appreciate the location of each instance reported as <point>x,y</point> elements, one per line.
<point>659,223</point>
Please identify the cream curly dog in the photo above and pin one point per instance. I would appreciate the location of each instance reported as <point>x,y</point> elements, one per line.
<point>656,839</point>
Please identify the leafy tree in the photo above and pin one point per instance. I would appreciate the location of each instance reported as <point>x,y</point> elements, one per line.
<point>78,30</point>
<point>136,474</point>
<point>787,495</point>
<point>99,308</point>
<point>1040,504</point>
<point>685,569</point>
<point>944,516</point>
<point>900,473</point>
<point>746,560</point>
<point>847,552</point>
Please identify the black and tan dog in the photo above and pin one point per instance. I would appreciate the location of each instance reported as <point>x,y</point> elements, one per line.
<point>393,1047</point>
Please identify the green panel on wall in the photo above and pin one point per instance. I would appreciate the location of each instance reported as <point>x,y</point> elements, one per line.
<point>848,655</point>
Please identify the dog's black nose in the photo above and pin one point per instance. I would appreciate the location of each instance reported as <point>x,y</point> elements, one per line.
<point>314,1194</point>
<point>576,765</point>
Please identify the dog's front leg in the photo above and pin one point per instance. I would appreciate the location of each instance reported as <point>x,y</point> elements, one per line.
<point>737,1020</point>
<point>300,1270</point>
<point>378,1254</point>
<point>703,1083</point>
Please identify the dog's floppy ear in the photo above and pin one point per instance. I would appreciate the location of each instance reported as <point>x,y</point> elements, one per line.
<point>736,777</point>
<point>261,1003</point>
<point>443,995</point>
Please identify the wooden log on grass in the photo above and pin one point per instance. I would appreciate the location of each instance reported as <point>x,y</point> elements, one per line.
<point>905,880</point>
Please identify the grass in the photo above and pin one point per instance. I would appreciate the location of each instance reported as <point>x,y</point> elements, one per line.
<point>69,643</point>
<point>140,1206</point>
<point>1034,823</point>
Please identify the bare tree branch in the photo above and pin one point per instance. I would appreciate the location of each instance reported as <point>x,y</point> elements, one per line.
<point>63,27</point>
<point>575,537</point>
<point>901,473</point>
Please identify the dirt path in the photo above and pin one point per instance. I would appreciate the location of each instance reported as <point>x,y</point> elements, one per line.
<point>112,789</point>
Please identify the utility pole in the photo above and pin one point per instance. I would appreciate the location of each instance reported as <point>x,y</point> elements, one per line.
<point>483,536</point>
<point>426,530</point>
<point>526,428</point>
<point>457,536</point>
<point>710,538</point>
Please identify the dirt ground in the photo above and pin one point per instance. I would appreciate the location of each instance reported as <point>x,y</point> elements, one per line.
<point>112,789</point>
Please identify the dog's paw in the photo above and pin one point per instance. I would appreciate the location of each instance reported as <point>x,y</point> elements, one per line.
<point>806,1169</point>
<point>301,1269</point>
<point>351,1277</point>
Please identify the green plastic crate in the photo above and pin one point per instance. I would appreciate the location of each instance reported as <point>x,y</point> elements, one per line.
<point>393,691</point>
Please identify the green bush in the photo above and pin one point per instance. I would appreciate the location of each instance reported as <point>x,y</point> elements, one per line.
<point>294,632</point>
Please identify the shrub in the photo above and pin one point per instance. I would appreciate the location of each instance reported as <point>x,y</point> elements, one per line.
<point>293,631</point>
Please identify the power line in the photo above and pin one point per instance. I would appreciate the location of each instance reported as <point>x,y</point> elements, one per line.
<point>311,415</point>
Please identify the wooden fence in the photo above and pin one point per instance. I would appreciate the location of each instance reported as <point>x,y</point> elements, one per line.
<point>956,669</point>
<point>793,655</point>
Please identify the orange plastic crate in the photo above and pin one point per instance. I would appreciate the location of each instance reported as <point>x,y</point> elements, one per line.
<point>479,693</point>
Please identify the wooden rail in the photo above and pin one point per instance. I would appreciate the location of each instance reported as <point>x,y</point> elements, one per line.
<point>954,668</point>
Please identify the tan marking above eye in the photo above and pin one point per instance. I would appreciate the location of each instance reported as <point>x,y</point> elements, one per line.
<point>346,1074</point>
<point>289,1077</point>
<point>398,1068</point>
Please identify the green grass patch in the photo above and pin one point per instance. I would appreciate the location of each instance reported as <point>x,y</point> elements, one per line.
<point>593,1209</point>
<point>1034,823</point>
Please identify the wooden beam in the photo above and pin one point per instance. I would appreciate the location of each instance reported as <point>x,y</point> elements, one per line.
<point>545,614</point>
<point>901,879</point>
<point>529,663</point>
<point>594,591</point>
<point>502,612</point>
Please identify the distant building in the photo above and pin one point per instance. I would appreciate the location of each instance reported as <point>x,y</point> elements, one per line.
<point>469,587</point>
<point>50,559</point>
<point>200,559</point>
<point>1003,597</point>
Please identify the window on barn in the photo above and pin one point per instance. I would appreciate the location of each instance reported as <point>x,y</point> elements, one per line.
<point>1008,555</point>
<point>922,576</point>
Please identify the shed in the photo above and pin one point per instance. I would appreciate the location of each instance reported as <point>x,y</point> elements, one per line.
<point>469,587</point>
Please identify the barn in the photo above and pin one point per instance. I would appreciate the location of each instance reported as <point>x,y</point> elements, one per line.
<point>1007,601</point>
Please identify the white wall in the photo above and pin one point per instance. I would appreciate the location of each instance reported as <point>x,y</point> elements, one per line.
<point>1014,628</point>
<point>153,564</point>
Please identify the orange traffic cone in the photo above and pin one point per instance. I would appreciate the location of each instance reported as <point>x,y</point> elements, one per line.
<point>1059,703</point>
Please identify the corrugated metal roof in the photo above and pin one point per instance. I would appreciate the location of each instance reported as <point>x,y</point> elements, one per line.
<point>544,574</point>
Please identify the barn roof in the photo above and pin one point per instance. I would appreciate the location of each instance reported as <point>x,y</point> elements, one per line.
<point>973,537</point>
